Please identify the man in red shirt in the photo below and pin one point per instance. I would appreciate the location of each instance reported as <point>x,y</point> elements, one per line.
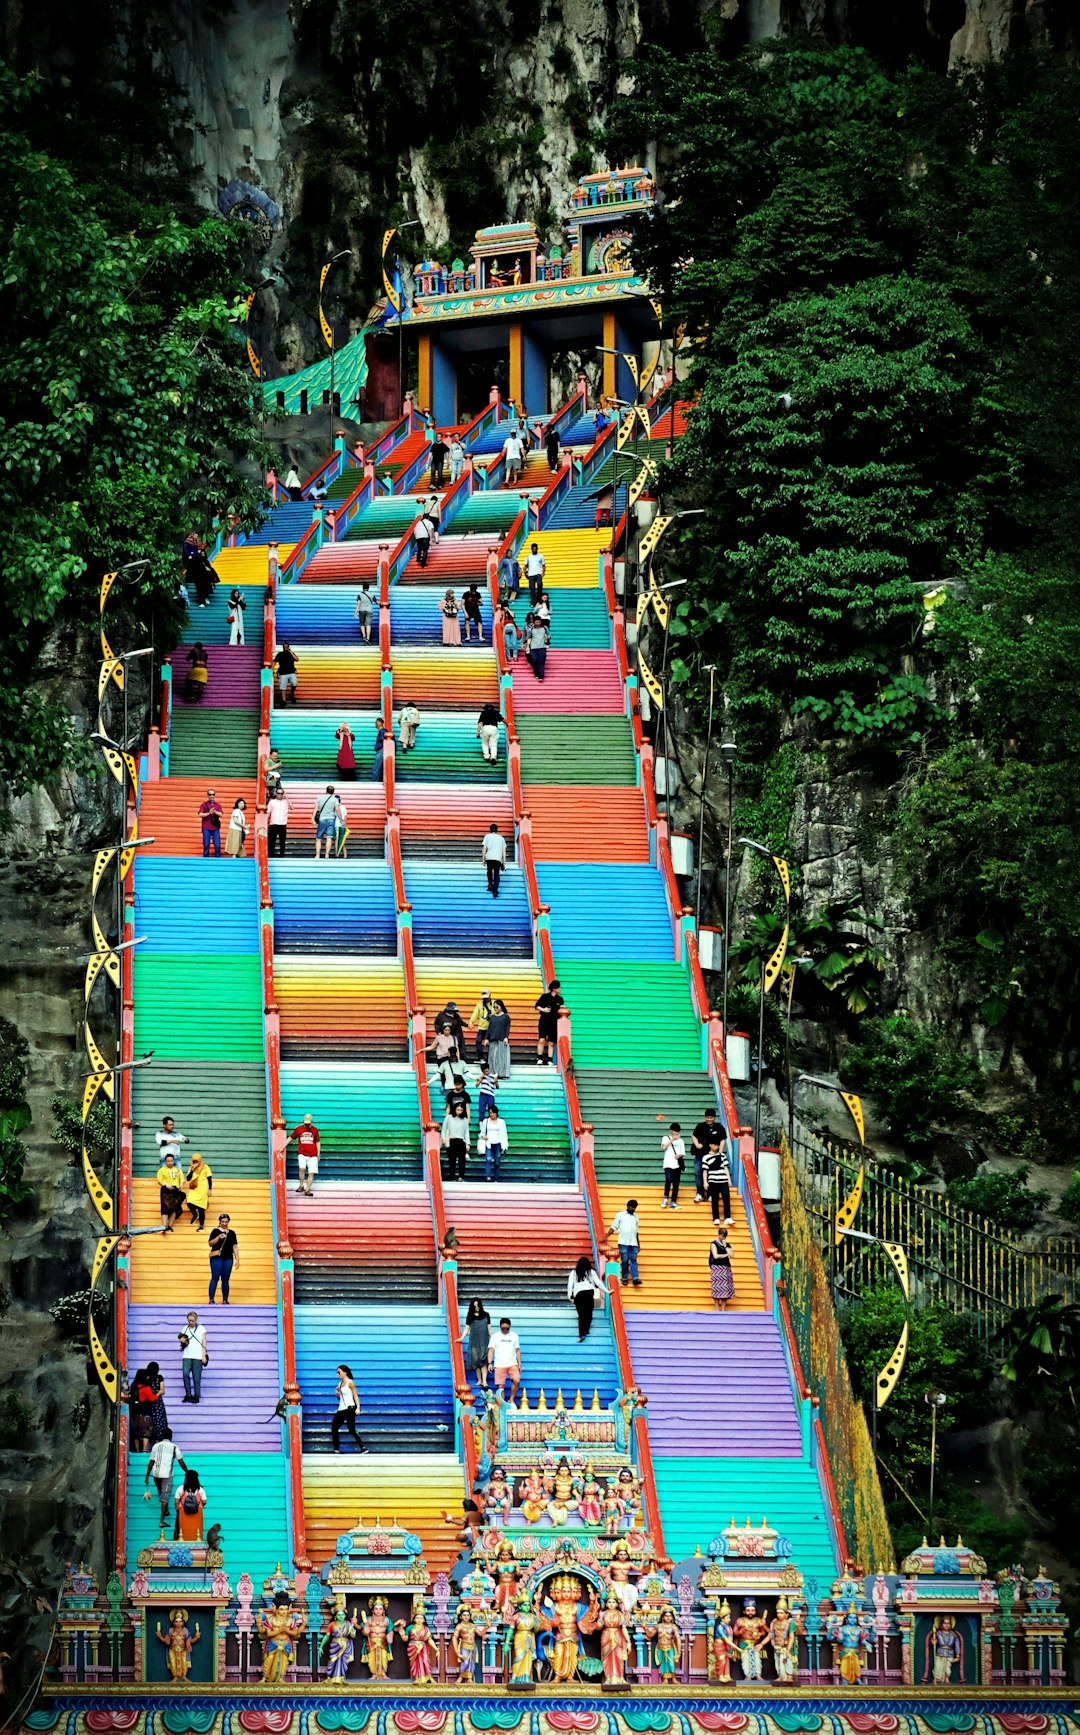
<point>210,820</point>
<point>307,1152</point>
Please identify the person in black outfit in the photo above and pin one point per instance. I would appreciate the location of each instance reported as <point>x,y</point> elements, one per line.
<point>549,1006</point>
<point>450,1019</point>
<point>439,450</point>
<point>224,1257</point>
<point>459,1095</point>
<point>700,1140</point>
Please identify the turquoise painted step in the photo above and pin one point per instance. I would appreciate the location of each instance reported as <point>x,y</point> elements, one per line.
<point>171,892</point>
<point>245,1494</point>
<point>369,1118</point>
<point>204,742</point>
<point>700,1496</point>
<point>387,516</point>
<point>579,620</point>
<point>195,1007</point>
<point>446,747</point>
<point>487,512</point>
<point>630,1015</point>
<point>606,910</point>
<point>220,1107</point>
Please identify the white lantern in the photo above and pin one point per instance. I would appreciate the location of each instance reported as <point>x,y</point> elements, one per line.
<point>710,948</point>
<point>665,775</point>
<point>682,852</point>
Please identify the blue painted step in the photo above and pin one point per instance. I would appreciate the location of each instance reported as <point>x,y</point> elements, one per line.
<point>606,911</point>
<point>401,1364</point>
<point>180,907</point>
<point>453,911</point>
<point>551,1355</point>
<point>352,911</point>
<point>285,524</point>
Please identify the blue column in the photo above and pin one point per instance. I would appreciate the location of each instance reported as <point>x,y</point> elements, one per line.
<point>535,374</point>
<point>624,382</point>
<point>443,384</point>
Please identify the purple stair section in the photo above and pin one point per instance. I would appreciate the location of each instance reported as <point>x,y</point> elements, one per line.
<point>240,1385</point>
<point>235,675</point>
<point>717,1385</point>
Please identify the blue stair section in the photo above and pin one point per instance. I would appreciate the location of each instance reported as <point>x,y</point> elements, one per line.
<point>453,911</point>
<point>169,888</point>
<point>401,1368</point>
<point>286,523</point>
<point>551,1356</point>
<point>577,508</point>
<point>349,909</point>
<point>368,1116</point>
<point>580,433</point>
<point>600,911</point>
<point>415,618</point>
<point>321,614</point>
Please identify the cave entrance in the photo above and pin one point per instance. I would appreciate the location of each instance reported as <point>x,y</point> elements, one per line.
<point>477,372</point>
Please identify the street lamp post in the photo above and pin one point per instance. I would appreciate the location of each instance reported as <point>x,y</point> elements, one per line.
<point>396,300</point>
<point>727,754</point>
<point>328,330</point>
<point>937,1400</point>
<point>770,969</point>
<point>711,672</point>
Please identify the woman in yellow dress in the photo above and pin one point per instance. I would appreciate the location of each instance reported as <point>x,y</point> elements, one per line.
<point>197,1188</point>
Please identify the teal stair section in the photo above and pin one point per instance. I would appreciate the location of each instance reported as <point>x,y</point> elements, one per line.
<point>368,1116</point>
<point>484,512</point>
<point>222,1112</point>
<point>385,519</point>
<point>628,1015</point>
<point>635,923</point>
<point>579,620</point>
<point>207,742</point>
<point>627,1134</point>
<point>446,747</point>
<point>700,1496</point>
<point>533,1104</point>
<point>245,1494</point>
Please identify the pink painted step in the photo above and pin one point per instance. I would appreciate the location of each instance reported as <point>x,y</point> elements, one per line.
<point>346,562</point>
<point>235,672</point>
<point>576,683</point>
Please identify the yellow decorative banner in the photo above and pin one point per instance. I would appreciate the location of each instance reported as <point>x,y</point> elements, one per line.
<point>104,1248</point>
<point>784,871</point>
<point>112,669</point>
<point>845,1217</point>
<point>652,685</point>
<point>898,1255</point>
<point>249,304</point>
<point>253,360</point>
<point>106,1372</point>
<point>106,960</point>
<point>641,480</point>
<point>776,962</point>
<point>97,1082</point>
<point>106,585</point>
<point>892,1370</point>
<point>642,605</point>
<point>99,1198</point>
<point>652,536</point>
<point>661,607</point>
<point>388,283</point>
<point>98,1062</point>
<point>854,1106</point>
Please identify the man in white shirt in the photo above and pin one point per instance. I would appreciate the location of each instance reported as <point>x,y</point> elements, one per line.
<point>162,1463</point>
<point>535,568</point>
<point>673,1147</point>
<point>514,453</point>
<point>193,1357</point>
<point>626,1228</point>
<point>493,855</point>
<point>504,1359</point>
<point>492,1144</point>
<point>169,1140</point>
<point>277,821</point>
<point>457,459</point>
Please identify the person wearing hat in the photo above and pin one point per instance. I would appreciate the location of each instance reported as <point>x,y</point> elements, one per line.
<point>448,1021</point>
<point>481,1015</point>
<point>210,819</point>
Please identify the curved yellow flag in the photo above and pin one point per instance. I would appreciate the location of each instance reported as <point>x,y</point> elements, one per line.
<point>97,1082</point>
<point>854,1108</point>
<point>112,669</point>
<point>898,1255</point>
<point>253,360</point>
<point>642,479</point>
<point>651,537</point>
<point>652,685</point>
<point>642,605</point>
<point>784,871</point>
<point>106,1371</point>
<point>99,1198</point>
<point>388,283</point>
<point>776,962</point>
<point>104,1248</point>
<point>97,1059</point>
<point>892,1370</point>
<point>658,600</point>
<point>107,583</point>
<point>845,1217</point>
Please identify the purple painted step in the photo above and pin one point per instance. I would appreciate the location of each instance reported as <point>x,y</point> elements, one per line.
<point>240,1384</point>
<point>717,1385</point>
<point>235,675</point>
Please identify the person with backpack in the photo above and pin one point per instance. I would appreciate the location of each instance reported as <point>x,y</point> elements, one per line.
<point>324,819</point>
<point>408,723</point>
<point>190,1505</point>
<point>163,1461</point>
<point>193,1357</point>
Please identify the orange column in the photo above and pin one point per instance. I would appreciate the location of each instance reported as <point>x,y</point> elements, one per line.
<point>424,370</point>
<point>517,364</point>
<point>611,362</point>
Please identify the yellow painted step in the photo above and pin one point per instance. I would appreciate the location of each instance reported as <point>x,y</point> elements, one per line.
<point>572,556</point>
<point>674,1260</point>
<point>414,1490</point>
<point>175,1269</point>
<point>246,565</point>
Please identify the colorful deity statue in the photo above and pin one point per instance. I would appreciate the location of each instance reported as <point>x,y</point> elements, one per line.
<point>378,1639</point>
<point>849,1641</point>
<point>505,1569</point>
<point>533,1497</point>
<point>620,1567</point>
<point>614,1642</point>
<point>784,1634</point>
<point>498,1498</point>
<point>340,1633</point>
<point>178,1642</point>
<point>567,1621</point>
<point>465,1641</point>
<point>667,1643</point>
<point>614,1512</point>
<point>280,1626</point>
<point>751,1636</point>
<point>944,1651</point>
<point>420,1644</point>
<point>723,1643</point>
<point>629,1490</point>
<point>590,1507</point>
<point>563,1500</point>
<point>523,1651</point>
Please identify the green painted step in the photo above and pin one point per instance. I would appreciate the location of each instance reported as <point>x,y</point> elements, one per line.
<point>621,463</point>
<point>700,1496</point>
<point>576,749</point>
<point>213,743</point>
<point>623,1111</point>
<point>486,512</point>
<point>383,517</point>
<point>221,1108</point>
<point>198,1008</point>
<point>626,1015</point>
<point>245,1494</point>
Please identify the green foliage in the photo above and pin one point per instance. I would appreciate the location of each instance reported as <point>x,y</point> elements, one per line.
<point>71,1312</point>
<point>126,402</point>
<point>14,1118</point>
<point>917,1079</point>
<point>1006,1200</point>
<point>68,1132</point>
<point>16,1420</point>
<point>1040,1350</point>
<point>1069,1203</point>
<point>827,951</point>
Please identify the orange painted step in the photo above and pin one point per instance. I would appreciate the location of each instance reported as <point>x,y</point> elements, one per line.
<point>581,822</point>
<point>674,1259</point>
<point>169,810</point>
<point>490,1222</point>
<point>451,818</point>
<point>356,1222</point>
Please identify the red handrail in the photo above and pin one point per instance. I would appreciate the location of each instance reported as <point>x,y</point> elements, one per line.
<point>825,1470</point>
<point>408,968</point>
<point>573,1101</point>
